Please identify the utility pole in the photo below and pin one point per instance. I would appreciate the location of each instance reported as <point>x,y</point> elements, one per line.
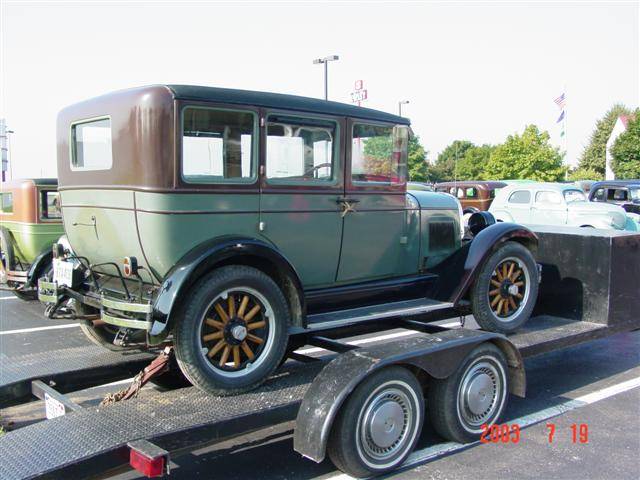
<point>400,103</point>
<point>325,61</point>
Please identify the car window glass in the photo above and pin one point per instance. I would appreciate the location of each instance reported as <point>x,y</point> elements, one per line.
<point>470,192</point>
<point>552,198</point>
<point>300,150</point>
<point>91,145</point>
<point>379,154</point>
<point>598,195</point>
<point>574,196</point>
<point>460,193</point>
<point>217,145</point>
<point>7,202</point>
<point>51,205</point>
<point>520,196</point>
<point>617,194</point>
<point>634,193</point>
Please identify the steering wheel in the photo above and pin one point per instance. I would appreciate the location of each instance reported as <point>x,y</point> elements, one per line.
<point>312,171</point>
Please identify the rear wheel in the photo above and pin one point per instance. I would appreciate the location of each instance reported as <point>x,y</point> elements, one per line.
<point>232,332</point>
<point>475,395</point>
<point>506,289</point>
<point>379,425</point>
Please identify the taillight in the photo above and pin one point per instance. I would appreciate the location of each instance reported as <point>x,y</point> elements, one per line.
<point>130,266</point>
<point>148,466</point>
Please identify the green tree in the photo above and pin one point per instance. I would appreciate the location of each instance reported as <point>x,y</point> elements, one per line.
<point>625,151</point>
<point>474,163</point>
<point>594,156</point>
<point>580,173</point>
<point>527,156</point>
<point>417,167</point>
<point>378,150</point>
<point>446,163</point>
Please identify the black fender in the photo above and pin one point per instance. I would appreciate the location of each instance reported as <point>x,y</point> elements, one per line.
<point>483,245</point>
<point>437,355</point>
<point>38,267</point>
<point>203,258</point>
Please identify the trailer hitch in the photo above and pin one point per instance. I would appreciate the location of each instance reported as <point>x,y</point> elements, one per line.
<point>157,367</point>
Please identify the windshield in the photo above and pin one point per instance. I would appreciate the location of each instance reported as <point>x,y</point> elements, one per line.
<point>574,196</point>
<point>635,194</point>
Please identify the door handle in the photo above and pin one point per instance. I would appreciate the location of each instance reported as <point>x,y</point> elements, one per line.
<point>347,204</point>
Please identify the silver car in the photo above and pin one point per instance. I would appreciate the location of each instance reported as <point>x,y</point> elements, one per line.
<point>557,204</point>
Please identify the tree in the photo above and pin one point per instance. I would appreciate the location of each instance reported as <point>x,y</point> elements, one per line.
<point>581,173</point>
<point>378,150</point>
<point>445,166</point>
<point>474,162</point>
<point>594,156</point>
<point>417,161</point>
<point>527,156</point>
<point>626,151</point>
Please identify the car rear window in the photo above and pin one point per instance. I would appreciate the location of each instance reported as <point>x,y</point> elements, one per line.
<point>50,205</point>
<point>91,145</point>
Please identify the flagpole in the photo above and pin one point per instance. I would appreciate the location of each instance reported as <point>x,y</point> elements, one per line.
<point>566,151</point>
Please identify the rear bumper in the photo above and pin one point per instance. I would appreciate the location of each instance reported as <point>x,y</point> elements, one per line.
<point>113,311</point>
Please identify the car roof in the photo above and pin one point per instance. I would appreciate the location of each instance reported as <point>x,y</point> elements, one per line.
<point>615,183</point>
<point>32,181</point>
<point>559,187</point>
<point>282,101</point>
<point>470,183</point>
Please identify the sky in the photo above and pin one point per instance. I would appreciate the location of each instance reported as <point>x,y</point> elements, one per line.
<point>471,70</point>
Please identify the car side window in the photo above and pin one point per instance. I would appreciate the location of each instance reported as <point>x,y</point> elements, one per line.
<point>218,145</point>
<point>300,150</point>
<point>551,198</point>
<point>50,205</point>
<point>7,202</point>
<point>379,154</point>
<point>520,197</point>
<point>470,192</point>
<point>598,195</point>
<point>617,194</point>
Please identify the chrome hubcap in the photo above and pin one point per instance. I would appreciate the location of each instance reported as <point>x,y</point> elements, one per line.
<point>386,424</point>
<point>481,395</point>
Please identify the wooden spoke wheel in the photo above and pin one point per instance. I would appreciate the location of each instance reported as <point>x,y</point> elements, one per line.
<point>235,329</point>
<point>509,286</point>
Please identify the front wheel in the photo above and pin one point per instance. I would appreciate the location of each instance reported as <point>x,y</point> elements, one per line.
<point>379,425</point>
<point>232,331</point>
<point>506,289</point>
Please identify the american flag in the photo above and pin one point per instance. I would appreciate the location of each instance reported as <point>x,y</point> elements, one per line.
<point>560,101</point>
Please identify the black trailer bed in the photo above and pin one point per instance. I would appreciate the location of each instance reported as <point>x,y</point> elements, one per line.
<point>186,419</point>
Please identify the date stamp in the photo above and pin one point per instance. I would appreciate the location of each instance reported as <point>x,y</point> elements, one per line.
<point>511,433</point>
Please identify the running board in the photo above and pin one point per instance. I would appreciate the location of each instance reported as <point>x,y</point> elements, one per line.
<point>321,321</point>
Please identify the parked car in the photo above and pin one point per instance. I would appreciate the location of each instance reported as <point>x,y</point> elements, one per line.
<point>30,223</point>
<point>426,187</point>
<point>556,204</point>
<point>625,193</point>
<point>475,196</point>
<point>229,222</point>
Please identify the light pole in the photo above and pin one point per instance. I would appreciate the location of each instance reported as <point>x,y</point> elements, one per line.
<point>326,61</point>
<point>400,103</point>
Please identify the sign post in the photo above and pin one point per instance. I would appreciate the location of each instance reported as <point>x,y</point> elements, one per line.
<point>359,95</point>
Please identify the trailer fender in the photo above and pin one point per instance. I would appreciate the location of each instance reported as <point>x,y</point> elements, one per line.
<point>437,355</point>
<point>207,256</point>
<point>483,245</point>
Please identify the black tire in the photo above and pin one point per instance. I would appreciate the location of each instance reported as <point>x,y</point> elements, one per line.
<point>518,260</point>
<point>194,353</point>
<point>101,335</point>
<point>172,378</point>
<point>449,400</point>
<point>351,442</point>
<point>26,296</point>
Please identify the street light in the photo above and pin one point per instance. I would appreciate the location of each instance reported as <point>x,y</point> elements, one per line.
<point>400,103</point>
<point>326,61</point>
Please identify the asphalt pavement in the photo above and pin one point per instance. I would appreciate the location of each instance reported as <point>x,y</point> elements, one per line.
<point>594,386</point>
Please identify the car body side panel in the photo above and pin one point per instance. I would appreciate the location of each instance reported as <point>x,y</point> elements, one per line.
<point>31,239</point>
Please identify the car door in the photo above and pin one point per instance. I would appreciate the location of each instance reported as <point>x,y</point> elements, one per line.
<point>549,208</point>
<point>301,182</point>
<point>519,205</point>
<point>378,232</point>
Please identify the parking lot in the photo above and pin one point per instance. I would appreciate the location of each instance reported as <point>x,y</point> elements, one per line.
<point>596,385</point>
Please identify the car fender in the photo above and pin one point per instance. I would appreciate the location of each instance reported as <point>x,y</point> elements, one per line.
<point>38,267</point>
<point>483,245</point>
<point>202,259</point>
<point>502,216</point>
<point>438,356</point>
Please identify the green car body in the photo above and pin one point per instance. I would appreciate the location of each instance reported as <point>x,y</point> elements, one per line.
<point>166,190</point>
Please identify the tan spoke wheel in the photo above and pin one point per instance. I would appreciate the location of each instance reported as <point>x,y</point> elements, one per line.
<point>234,331</point>
<point>508,284</point>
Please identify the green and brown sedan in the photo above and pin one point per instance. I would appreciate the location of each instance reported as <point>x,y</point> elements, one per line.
<point>30,223</point>
<point>232,223</point>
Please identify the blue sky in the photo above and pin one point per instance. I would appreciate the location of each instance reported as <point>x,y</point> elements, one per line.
<point>471,70</point>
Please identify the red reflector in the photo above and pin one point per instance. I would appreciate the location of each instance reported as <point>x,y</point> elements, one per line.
<point>150,467</point>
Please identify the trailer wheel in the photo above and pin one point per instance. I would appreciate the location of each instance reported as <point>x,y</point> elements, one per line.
<point>232,332</point>
<point>506,289</point>
<point>379,425</point>
<point>475,395</point>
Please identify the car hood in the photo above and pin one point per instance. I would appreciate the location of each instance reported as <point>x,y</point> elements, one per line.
<point>614,212</point>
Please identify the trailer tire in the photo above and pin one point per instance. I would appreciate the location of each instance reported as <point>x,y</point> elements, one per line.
<point>388,405</point>
<point>252,338</point>
<point>474,395</point>
<point>516,292</point>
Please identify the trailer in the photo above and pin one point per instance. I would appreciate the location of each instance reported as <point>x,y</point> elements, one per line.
<point>362,405</point>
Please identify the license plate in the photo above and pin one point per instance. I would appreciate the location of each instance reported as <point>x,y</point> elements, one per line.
<point>63,272</point>
<point>53,407</point>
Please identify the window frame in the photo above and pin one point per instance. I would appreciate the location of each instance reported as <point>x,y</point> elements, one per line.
<point>72,144</point>
<point>359,186</point>
<point>335,157</point>
<point>42,193</point>
<point>255,145</point>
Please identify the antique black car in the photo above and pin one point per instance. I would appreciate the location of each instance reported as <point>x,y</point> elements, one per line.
<point>625,193</point>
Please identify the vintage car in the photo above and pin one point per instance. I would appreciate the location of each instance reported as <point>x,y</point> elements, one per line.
<point>474,196</point>
<point>231,223</point>
<point>30,222</point>
<point>556,204</point>
<point>625,193</point>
